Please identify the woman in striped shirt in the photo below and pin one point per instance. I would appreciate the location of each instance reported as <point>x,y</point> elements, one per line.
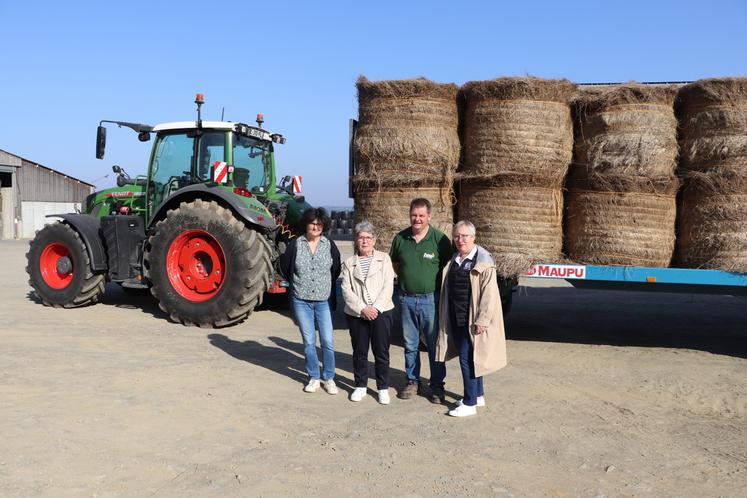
<point>367,287</point>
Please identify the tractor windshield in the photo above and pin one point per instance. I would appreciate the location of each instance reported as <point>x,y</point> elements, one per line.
<point>251,161</point>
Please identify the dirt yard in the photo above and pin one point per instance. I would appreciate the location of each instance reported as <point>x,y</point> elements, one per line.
<point>606,394</point>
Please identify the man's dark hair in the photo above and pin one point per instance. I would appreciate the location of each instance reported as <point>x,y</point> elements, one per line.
<point>420,202</point>
<point>312,214</point>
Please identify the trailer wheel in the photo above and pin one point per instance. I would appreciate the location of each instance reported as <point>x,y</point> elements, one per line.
<point>60,270</point>
<point>206,267</point>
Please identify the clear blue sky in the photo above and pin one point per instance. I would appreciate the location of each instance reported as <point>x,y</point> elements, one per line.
<point>66,65</point>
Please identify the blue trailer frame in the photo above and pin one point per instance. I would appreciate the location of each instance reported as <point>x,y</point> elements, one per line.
<point>644,279</point>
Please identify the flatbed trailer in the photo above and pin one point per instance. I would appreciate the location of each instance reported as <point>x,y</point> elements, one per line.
<point>643,279</point>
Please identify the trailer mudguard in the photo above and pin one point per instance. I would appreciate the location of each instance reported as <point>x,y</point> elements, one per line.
<point>88,228</point>
<point>254,216</point>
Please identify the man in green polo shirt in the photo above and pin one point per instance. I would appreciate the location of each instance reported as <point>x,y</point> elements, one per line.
<point>418,254</point>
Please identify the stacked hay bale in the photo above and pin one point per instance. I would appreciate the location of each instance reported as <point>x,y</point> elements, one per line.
<point>518,141</point>
<point>712,219</point>
<point>406,146</point>
<point>622,188</point>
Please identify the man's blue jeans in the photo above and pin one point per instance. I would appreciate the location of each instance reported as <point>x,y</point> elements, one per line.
<point>308,314</point>
<point>419,316</point>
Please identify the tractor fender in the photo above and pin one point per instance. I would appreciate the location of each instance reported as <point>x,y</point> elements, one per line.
<point>88,228</point>
<point>206,192</point>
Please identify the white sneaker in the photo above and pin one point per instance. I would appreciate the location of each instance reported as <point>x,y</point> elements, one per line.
<point>463,411</point>
<point>312,386</point>
<point>384,396</point>
<point>358,394</point>
<point>480,401</point>
<point>330,387</point>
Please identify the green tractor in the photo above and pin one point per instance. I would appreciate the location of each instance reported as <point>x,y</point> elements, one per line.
<point>203,230</point>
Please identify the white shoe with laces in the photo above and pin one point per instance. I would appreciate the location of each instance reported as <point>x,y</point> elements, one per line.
<point>384,396</point>
<point>330,387</point>
<point>358,394</point>
<point>480,401</point>
<point>312,386</point>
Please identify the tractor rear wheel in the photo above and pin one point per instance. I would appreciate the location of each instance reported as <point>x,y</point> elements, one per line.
<point>60,270</point>
<point>206,267</point>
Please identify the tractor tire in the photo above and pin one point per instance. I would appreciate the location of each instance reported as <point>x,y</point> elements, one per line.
<point>206,267</point>
<point>60,270</point>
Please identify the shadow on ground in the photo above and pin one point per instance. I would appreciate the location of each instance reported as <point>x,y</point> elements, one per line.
<point>286,358</point>
<point>712,323</point>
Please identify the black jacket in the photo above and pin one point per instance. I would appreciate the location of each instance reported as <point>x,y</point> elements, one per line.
<point>288,265</point>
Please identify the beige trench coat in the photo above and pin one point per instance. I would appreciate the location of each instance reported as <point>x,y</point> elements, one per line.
<point>485,309</point>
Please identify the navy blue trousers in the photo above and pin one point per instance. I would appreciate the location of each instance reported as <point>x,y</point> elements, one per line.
<point>473,386</point>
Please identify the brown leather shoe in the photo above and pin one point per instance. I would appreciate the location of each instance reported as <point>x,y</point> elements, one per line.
<point>409,391</point>
<point>438,396</point>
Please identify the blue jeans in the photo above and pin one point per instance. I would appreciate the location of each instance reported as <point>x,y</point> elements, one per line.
<point>419,316</point>
<point>308,314</point>
<point>473,386</point>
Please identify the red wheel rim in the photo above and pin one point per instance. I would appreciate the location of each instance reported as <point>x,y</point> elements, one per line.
<point>56,273</point>
<point>196,265</point>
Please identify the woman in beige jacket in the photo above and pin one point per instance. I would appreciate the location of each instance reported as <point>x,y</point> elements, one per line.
<point>367,287</point>
<point>470,317</point>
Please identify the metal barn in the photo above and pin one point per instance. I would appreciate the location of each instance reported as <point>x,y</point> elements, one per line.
<point>29,191</point>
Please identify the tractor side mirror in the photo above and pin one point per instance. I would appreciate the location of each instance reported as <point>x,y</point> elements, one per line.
<point>143,136</point>
<point>116,169</point>
<point>100,142</point>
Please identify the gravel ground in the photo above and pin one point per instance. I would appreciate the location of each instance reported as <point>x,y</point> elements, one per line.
<point>606,394</point>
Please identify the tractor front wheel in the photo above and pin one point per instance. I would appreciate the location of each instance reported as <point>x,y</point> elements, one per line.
<point>60,270</point>
<point>206,267</point>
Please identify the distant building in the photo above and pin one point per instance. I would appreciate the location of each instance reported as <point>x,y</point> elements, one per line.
<point>30,191</point>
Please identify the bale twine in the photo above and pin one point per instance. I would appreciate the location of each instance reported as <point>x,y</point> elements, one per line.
<point>389,210</point>
<point>517,126</point>
<point>712,117</point>
<point>712,220</point>
<point>618,221</point>
<point>406,129</point>
<point>518,219</point>
<point>625,130</point>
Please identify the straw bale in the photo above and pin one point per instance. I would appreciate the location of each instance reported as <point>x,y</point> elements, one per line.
<point>517,126</point>
<point>712,117</point>
<point>712,220</point>
<point>620,228</point>
<point>625,130</point>
<point>406,128</point>
<point>519,224</point>
<point>389,211</point>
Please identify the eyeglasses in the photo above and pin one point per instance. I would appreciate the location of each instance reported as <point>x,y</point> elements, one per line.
<point>316,223</point>
<point>462,236</point>
<point>366,238</point>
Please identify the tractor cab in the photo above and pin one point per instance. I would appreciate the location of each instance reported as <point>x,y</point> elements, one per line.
<point>217,154</point>
<point>233,159</point>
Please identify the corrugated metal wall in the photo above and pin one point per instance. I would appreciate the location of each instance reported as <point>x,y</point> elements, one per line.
<point>36,183</point>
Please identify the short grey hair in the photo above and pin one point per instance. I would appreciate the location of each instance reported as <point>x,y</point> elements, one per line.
<point>364,226</point>
<point>466,224</point>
